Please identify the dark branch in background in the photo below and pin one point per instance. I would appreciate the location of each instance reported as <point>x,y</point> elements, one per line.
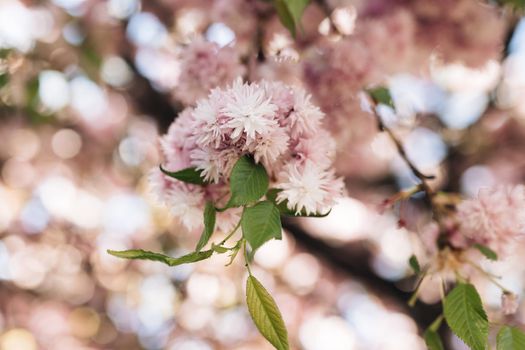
<point>147,99</point>
<point>423,314</point>
<point>150,101</point>
<point>430,195</point>
<point>354,260</point>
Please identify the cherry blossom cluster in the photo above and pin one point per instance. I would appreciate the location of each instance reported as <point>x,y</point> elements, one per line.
<point>205,65</point>
<point>274,123</point>
<point>496,218</point>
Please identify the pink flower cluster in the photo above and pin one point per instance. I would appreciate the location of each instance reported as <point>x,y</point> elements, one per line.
<point>275,123</point>
<point>495,218</point>
<point>471,32</point>
<point>204,66</point>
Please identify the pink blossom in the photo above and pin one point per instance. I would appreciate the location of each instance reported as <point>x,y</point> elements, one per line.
<point>276,124</point>
<point>185,201</point>
<point>429,236</point>
<point>307,187</point>
<point>209,121</point>
<point>495,218</point>
<point>282,96</point>
<point>318,148</point>
<point>240,16</point>
<point>209,162</point>
<point>204,65</point>
<point>305,117</point>
<point>178,140</point>
<point>509,303</point>
<point>250,111</point>
<point>269,147</point>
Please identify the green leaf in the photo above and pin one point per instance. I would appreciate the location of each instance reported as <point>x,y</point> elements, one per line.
<point>4,53</point>
<point>489,253</point>
<point>436,324</point>
<point>4,79</point>
<point>465,316</point>
<point>433,340</point>
<point>168,260</point>
<point>188,175</point>
<point>261,223</point>
<point>32,99</point>
<point>248,182</point>
<point>285,16</point>
<point>290,12</point>
<point>209,225</point>
<point>381,95</point>
<point>296,8</point>
<point>414,264</point>
<point>510,338</point>
<point>271,195</point>
<point>265,314</point>
<point>515,4</point>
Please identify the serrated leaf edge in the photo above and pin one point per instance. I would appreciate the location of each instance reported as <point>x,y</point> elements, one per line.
<point>279,334</point>
<point>471,339</point>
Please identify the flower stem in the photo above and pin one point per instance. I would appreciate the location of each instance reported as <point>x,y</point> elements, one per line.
<point>488,276</point>
<point>442,289</point>
<point>437,323</point>
<point>246,260</point>
<point>232,232</point>
<point>413,298</point>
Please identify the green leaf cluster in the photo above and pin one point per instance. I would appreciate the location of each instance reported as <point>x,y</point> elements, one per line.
<point>464,313</point>
<point>260,222</point>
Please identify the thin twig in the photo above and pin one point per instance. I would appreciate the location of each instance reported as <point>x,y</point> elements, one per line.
<point>413,298</point>
<point>382,127</point>
<point>488,276</point>
<point>402,153</point>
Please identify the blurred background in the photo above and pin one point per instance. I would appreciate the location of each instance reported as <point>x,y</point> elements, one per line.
<point>86,88</point>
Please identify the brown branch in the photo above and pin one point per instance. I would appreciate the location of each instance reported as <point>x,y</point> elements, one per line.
<point>423,178</point>
<point>353,259</point>
<point>401,151</point>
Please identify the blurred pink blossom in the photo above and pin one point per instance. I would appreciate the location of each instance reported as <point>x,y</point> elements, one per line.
<point>204,65</point>
<point>509,303</point>
<point>495,218</point>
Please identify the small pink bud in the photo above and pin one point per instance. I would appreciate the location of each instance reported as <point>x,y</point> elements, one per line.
<point>509,303</point>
